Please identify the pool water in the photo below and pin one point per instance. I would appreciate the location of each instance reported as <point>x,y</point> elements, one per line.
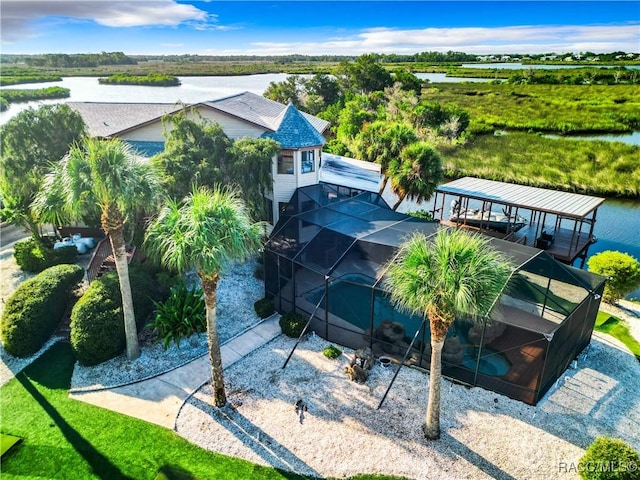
<point>491,363</point>
<point>352,302</point>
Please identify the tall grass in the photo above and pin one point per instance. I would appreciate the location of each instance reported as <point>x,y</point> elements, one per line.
<point>550,108</point>
<point>590,167</point>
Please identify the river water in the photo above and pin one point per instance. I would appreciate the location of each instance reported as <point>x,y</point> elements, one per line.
<point>618,222</point>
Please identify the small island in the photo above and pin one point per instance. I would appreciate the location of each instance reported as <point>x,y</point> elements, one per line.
<point>151,80</point>
<point>11,95</point>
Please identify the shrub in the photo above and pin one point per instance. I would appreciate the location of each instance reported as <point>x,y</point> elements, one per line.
<point>264,307</point>
<point>34,256</point>
<point>292,324</point>
<point>180,315</point>
<point>258,272</point>
<point>609,459</point>
<point>332,352</point>
<point>97,322</point>
<point>622,272</point>
<point>34,310</point>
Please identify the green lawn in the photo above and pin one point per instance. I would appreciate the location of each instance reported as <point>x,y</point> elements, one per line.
<point>613,326</point>
<point>64,438</point>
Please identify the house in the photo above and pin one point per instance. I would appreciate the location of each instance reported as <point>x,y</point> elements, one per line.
<point>241,115</point>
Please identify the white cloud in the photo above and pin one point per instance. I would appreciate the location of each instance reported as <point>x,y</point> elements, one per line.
<point>19,17</point>
<point>480,40</point>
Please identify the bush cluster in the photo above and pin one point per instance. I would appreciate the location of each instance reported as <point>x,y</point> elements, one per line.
<point>292,324</point>
<point>35,255</point>
<point>34,310</point>
<point>609,459</point>
<point>181,315</point>
<point>264,307</point>
<point>622,272</point>
<point>97,321</point>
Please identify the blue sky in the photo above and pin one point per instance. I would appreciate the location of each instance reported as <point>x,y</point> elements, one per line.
<point>334,27</point>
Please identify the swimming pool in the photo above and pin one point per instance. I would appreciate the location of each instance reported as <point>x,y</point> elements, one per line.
<point>350,300</point>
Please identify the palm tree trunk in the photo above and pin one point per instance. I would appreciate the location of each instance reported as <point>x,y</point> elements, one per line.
<point>385,179</point>
<point>400,200</point>
<point>116,238</point>
<point>432,422</point>
<point>209,287</point>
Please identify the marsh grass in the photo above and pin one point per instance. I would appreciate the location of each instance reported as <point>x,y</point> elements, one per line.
<point>581,166</point>
<point>547,108</point>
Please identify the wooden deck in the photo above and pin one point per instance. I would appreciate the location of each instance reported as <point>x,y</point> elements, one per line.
<point>567,244</point>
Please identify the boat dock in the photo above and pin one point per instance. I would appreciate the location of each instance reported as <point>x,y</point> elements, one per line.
<point>561,223</point>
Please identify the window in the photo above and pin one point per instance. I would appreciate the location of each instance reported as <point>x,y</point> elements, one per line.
<point>308,163</point>
<point>285,162</point>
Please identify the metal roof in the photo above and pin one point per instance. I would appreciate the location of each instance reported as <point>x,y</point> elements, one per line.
<point>522,196</point>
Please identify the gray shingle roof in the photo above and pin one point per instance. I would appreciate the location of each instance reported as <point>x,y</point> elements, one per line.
<point>295,131</point>
<point>260,111</point>
<point>109,119</point>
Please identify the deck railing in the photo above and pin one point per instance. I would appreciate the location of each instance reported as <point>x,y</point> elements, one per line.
<point>100,263</point>
<point>102,251</point>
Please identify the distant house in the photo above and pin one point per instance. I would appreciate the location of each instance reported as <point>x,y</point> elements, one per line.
<point>243,115</point>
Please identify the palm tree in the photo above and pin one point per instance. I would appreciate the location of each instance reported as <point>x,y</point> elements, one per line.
<point>105,177</point>
<point>205,232</point>
<point>416,174</point>
<point>382,142</point>
<point>454,273</point>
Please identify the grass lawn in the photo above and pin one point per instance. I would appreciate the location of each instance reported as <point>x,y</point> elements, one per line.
<point>613,326</point>
<point>65,438</point>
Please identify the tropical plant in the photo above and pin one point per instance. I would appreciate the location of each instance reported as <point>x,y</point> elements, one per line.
<point>105,176</point>
<point>621,270</point>
<point>382,142</point>
<point>250,167</point>
<point>30,142</point>
<point>196,152</point>
<point>181,315</point>
<point>451,274</point>
<point>206,231</point>
<point>416,174</point>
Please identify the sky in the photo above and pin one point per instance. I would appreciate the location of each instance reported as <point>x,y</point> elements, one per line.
<point>167,27</point>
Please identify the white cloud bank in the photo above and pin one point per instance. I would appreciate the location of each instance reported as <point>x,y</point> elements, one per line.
<point>517,39</point>
<point>20,17</point>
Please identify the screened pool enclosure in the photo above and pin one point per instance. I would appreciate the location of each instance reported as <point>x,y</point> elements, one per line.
<point>326,259</point>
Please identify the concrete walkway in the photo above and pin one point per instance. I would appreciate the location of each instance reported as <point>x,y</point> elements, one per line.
<point>159,399</point>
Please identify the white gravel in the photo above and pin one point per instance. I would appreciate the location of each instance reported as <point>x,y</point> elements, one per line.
<point>484,435</point>
<point>237,291</point>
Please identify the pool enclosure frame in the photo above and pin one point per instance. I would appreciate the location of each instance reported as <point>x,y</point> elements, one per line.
<point>327,257</point>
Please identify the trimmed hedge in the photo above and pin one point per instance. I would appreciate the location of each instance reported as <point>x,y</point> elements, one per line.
<point>35,256</point>
<point>292,324</point>
<point>609,459</point>
<point>97,321</point>
<point>264,307</point>
<point>33,312</point>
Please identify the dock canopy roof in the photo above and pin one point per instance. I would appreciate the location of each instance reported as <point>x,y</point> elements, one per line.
<point>531,198</point>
